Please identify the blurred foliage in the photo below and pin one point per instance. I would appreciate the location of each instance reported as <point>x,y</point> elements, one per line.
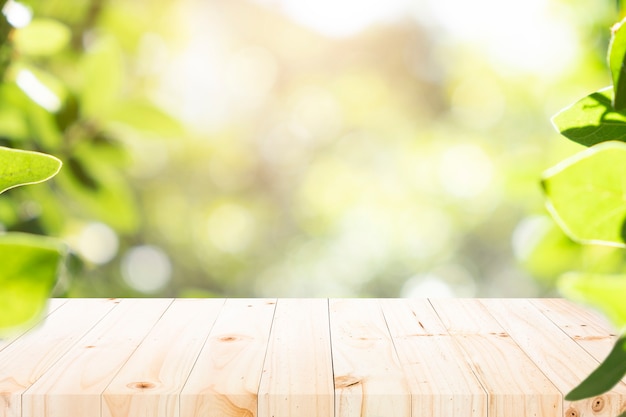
<point>587,196</point>
<point>226,148</point>
<point>29,264</point>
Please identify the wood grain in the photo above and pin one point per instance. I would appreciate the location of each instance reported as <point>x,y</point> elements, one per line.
<point>517,386</point>
<point>297,376</point>
<point>306,358</point>
<point>28,358</point>
<point>586,327</point>
<point>369,380</point>
<point>442,383</point>
<point>225,379</point>
<point>150,382</point>
<point>53,304</point>
<point>558,356</point>
<point>74,385</point>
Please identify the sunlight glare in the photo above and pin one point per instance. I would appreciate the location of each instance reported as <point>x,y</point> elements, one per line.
<point>17,14</point>
<point>38,91</point>
<point>340,18</point>
<point>146,268</point>
<point>97,243</point>
<point>525,35</point>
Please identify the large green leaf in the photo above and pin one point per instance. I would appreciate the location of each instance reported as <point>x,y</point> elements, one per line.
<point>605,377</point>
<point>587,194</point>
<point>604,292</point>
<point>29,266</point>
<point>592,120</point>
<point>616,58</point>
<point>19,167</point>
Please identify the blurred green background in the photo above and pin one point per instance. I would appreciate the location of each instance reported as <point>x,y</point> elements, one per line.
<point>299,147</point>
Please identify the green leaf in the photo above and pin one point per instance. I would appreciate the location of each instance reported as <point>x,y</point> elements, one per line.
<point>36,122</point>
<point>146,117</point>
<point>592,120</point>
<point>42,37</point>
<point>604,292</point>
<point>617,57</point>
<point>605,377</point>
<point>19,167</point>
<point>29,266</point>
<point>587,194</point>
<point>100,191</point>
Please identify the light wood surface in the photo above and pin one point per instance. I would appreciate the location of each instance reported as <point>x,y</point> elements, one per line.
<point>306,358</point>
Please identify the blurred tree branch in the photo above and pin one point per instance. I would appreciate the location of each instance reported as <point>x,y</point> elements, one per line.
<point>91,16</point>
<point>5,49</point>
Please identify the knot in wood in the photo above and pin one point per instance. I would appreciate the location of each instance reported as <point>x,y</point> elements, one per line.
<point>228,338</point>
<point>572,412</point>
<point>598,404</point>
<point>346,381</point>
<point>141,385</point>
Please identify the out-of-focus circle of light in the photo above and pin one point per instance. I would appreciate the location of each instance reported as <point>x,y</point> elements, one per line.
<point>230,227</point>
<point>427,286</point>
<point>17,14</point>
<point>449,280</point>
<point>146,268</point>
<point>339,18</point>
<point>97,243</point>
<point>465,170</point>
<point>528,234</point>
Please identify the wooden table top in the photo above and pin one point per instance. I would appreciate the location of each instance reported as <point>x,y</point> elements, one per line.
<point>306,358</point>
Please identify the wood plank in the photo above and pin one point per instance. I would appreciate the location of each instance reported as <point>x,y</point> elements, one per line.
<point>297,376</point>
<point>73,386</point>
<point>586,326</point>
<point>51,306</point>
<point>225,379</point>
<point>515,385</point>
<point>441,381</point>
<point>30,356</point>
<point>369,380</point>
<point>150,382</point>
<point>562,360</point>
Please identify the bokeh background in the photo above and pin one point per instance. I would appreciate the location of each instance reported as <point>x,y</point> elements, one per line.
<point>300,148</point>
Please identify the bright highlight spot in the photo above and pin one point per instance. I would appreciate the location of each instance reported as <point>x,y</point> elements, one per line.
<point>528,234</point>
<point>444,281</point>
<point>97,243</point>
<point>146,268</point>
<point>465,171</point>
<point>523,35</point>
<point>339,18</point>
<point>38,91</point>
<point>427,286</point>
<point>17,14</point>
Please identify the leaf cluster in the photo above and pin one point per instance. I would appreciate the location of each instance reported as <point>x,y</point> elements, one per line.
<point>62,93</point>
<point>587,197</point>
